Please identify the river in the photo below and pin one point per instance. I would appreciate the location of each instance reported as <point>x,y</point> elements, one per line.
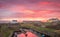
<point>28,33</point>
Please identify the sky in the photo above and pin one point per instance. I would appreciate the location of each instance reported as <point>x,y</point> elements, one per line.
<point>29,9</point>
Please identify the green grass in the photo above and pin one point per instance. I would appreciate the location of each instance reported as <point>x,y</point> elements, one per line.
<point>37,28</point>
<point>7,31</point>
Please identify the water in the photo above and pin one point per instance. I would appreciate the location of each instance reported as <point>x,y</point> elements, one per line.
<point>27,34</point>
<point>21,35</point>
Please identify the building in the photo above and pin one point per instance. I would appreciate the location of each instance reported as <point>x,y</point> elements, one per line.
<point>53,20</point>
<point>14,21</point>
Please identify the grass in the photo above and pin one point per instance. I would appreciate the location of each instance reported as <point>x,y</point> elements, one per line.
<point>37,28</point>
<point>7,31</point>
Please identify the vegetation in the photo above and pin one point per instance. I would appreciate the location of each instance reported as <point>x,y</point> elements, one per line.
<point>37,28</point>
<point>53,25</point>
<point>6,31</point>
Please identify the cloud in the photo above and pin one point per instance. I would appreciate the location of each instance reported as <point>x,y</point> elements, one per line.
<point>29,8</point>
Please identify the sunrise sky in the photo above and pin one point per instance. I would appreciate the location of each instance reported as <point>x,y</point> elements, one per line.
<point>29,9</point>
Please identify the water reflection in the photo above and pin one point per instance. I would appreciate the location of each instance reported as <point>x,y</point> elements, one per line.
<point>27,34</point>
<point>21,35</point>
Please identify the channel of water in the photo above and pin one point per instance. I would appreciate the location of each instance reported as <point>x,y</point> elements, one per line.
<point>26,32</point>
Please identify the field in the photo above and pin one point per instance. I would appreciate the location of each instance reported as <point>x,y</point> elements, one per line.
<point>6,31</point>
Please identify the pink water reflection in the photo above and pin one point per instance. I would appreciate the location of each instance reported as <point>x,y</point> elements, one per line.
<point>21,35</point>
<point>28,34</point>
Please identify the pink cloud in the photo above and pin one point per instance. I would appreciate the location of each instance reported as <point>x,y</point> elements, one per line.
<point>28,9</point>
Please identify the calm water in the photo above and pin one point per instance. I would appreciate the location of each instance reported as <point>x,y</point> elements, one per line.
<point>27,34</point>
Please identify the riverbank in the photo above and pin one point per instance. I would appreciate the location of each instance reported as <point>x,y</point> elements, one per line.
<point>6,31</point>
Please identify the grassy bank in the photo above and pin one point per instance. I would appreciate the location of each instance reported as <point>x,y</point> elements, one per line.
<point>6,31</point>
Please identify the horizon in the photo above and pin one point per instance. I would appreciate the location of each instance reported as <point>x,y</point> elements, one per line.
<point>21,20</point>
